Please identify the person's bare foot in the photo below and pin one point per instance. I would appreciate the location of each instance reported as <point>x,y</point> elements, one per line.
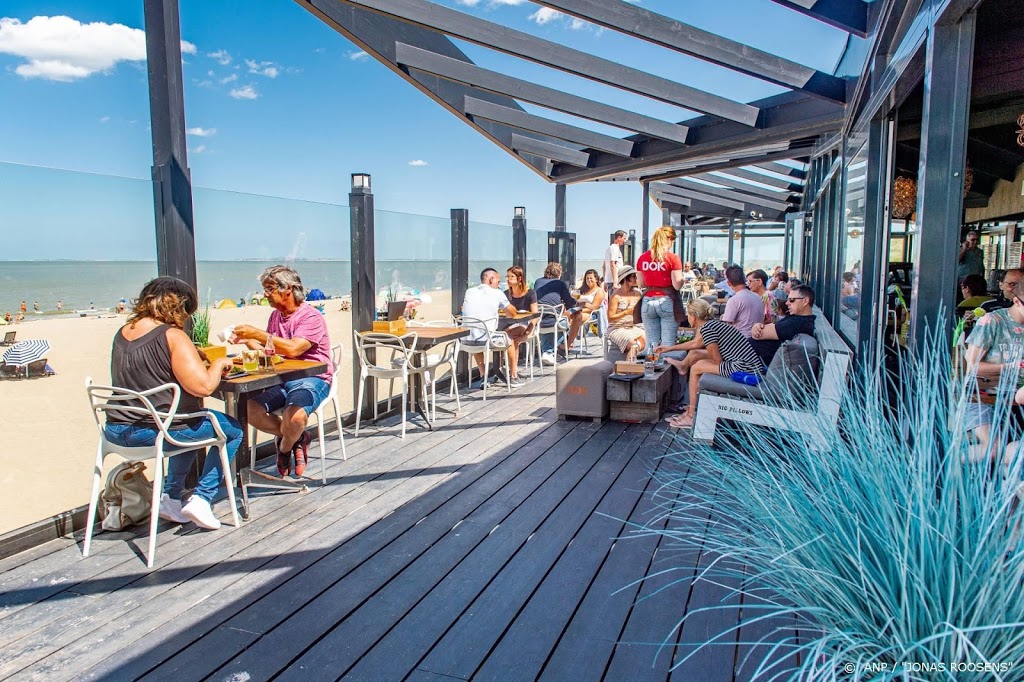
<point>678,364</point>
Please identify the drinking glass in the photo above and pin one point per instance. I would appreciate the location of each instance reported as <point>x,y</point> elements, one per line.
<point>250,360</point>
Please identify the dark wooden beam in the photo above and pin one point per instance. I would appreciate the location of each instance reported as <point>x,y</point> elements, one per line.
<point>848,15</point>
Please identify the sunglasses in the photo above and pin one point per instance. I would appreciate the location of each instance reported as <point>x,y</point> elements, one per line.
<point>796,298</point>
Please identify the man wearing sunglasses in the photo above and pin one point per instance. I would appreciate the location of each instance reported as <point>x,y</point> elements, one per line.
<point>767,338</point>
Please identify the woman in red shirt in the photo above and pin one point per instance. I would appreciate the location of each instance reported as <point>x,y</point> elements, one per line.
<point>661,273</point>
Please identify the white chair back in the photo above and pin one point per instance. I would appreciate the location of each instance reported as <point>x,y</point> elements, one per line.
<point>390,352</point>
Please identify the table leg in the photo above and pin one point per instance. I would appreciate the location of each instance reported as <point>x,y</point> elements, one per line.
<point>417,383</point>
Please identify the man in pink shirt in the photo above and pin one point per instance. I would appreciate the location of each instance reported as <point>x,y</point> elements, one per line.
<point>297,330</point>
<point>745,308</point>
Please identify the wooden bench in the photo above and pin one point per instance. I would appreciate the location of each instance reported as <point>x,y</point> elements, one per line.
<point>641,400</point>
<point>812,410</point>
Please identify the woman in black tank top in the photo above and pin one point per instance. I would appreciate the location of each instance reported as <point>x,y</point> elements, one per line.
<point>151,350</point>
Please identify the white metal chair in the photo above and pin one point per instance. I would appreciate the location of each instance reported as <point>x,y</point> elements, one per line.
<point>558,312</point>
<point>489,342</point>
<point>392,359</point>
<point>533,353</point>
<point>585,333</point>
<point>602,313</point>
<point>337,351</point>
<point>434,362</point>
<point>105,398</point>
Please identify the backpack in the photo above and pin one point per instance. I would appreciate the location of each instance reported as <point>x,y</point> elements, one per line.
<point>127,497</point>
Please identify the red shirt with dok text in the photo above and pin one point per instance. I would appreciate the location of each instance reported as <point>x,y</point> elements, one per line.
<point>658,273</point>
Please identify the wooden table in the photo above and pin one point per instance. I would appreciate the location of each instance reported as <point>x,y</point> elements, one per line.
<point>235,393</point>
<point>427,338</point>
<point>641,400</point>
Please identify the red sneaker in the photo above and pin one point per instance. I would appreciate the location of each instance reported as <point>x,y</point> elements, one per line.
<point>301,452</point>
<point>284,459</point>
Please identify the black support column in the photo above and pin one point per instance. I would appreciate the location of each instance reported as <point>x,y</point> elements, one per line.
<point>875,258</point>
<point>949,57</point>
<point>364,295</point>
<point>560,208</point>
<point>645,225</point>
<point>519,237</point>
<point>172,181</point>
<point>460,258</point>
<point>732,241</point>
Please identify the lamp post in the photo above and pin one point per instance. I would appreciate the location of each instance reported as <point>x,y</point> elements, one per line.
<point>519,237</point>
<point>364,299</point>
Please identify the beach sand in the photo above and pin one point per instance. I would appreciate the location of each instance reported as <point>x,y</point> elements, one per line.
<point>49,432</point>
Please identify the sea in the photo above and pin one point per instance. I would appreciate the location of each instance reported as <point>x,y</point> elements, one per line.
<point>82,285</point>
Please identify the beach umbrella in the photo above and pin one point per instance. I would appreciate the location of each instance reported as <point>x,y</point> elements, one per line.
<point>26,351</point>
<point>315,295</point>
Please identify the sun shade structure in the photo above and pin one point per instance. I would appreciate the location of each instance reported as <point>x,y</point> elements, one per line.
<point>416,40</point>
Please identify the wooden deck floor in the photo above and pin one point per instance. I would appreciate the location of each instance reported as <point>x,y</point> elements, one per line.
<point>486,549</point>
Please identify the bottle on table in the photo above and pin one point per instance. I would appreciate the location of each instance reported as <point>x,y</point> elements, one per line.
<point>269,352</point>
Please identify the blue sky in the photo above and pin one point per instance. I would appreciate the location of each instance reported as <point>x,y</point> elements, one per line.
<point>278,104</point>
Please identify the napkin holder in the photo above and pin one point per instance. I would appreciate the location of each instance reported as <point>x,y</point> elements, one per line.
<point>396,327</point>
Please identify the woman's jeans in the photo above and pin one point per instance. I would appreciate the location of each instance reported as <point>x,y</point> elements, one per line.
<point>659,319</point>
<point>127,435</point>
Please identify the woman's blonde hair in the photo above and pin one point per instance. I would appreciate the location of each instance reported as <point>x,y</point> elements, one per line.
<point>165,299</point>
<point>661,242</point>
<point>700,309</point>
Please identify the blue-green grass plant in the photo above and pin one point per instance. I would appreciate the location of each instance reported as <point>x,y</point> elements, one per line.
<point>885,549</point>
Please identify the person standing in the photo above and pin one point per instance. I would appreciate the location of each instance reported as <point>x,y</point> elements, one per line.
<point>661,274</point>
<point>296,330</point>
<point>613,260</point>
<point>971,260</point>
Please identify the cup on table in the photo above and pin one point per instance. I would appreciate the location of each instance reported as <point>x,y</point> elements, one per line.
<point>225,334</point>
<point>250,360</point>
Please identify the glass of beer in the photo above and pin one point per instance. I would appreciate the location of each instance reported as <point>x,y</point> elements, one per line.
<point>250,360</point>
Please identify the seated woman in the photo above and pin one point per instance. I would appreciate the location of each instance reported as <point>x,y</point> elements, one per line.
<point>622,331</point>
<point>152,350</point>
<point>975,292</point>
<point>591,295</point>
<point>716,348</point>
<point>523,298</point>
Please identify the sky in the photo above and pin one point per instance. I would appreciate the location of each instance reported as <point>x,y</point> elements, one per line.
<point>281,109</point>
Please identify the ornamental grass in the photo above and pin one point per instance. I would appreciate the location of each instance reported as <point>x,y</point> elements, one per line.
<point>895,556</point>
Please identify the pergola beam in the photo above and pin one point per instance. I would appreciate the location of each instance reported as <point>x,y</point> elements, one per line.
<point>644,24</point>
<point>763,179</point>
<point>782,169</point>
<point>548,150</point>
<point>748,201</point>
<point>479,108</point>
<point>518,44</point>
<point>849,15</point>
<point>492,81</point>
<point>739,186</point>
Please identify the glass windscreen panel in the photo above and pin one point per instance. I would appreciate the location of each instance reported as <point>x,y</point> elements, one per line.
<point>536,254</point>
<point>490,246</point>
<point>852,242</point>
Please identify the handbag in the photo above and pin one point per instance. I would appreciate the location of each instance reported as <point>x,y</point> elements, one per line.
<point>127,497</point>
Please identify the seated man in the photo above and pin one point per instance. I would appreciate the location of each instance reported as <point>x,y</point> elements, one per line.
<point>296,330</point>
<point>767,338</point>
<point>993,347</point>
<point>483,302</point>
<point>1006,284</point>
<point>551,290</point>
<point>745,308</point>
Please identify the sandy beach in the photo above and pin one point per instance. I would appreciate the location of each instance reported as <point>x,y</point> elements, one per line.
<point>49,432</point>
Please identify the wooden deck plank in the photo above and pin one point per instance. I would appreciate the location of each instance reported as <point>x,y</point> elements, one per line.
<point>586,645</point>
<point>529,640</point>
<point>559,567</point>
<point>283,561</point>
<point>433,601</point>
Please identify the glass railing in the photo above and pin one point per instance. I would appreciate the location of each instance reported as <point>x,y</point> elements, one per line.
<point>536,254</point>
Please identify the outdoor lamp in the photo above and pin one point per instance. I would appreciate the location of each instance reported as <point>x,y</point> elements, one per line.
<point>519,212</point>
<point>361,181</point>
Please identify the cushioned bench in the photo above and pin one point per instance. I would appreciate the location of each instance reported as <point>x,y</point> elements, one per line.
<point>801,391</point>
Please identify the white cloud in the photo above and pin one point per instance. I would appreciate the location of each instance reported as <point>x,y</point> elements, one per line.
<point>514,3</point>
<point>63,49</point>
<point>200,149</point>
<point>222,57</point>
<point>418,162</point>
<point>229,79</point>
<point>358,56</point>
<point>268,69</point>
<point>544,15</point>
<point>468,3</point>
<point>105,119</point>
<point>201,132</point>
<point>244,92</point>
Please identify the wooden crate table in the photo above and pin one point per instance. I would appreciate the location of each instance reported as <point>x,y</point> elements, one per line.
<point>641,400</point>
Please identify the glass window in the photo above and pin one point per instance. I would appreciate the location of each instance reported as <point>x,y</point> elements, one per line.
<point>852,243</point>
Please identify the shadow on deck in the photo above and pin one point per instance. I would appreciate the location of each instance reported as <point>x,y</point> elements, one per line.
<point>488,549</point>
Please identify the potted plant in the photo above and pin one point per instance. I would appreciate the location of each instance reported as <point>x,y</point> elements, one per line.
<point>201,335</point>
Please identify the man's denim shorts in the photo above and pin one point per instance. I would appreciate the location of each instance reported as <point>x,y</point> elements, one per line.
<point>306,393</point>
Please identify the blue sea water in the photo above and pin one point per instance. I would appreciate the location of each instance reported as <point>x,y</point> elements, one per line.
<point>81,284</point>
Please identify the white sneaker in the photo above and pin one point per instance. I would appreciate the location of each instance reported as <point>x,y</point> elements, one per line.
<point>170,510</point>
<point>199,512</point>
<point>547,358</point>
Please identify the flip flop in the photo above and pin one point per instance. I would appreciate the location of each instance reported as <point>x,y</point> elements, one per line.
<point>683,422</point>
